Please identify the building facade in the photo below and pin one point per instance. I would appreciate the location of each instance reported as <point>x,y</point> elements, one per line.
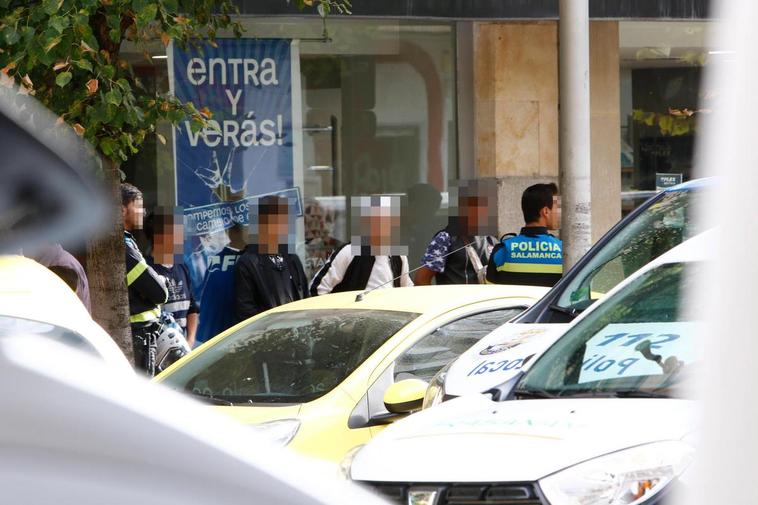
<point>408,97</point>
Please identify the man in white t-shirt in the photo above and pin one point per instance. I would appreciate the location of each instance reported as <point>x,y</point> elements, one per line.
<point>371,259</point>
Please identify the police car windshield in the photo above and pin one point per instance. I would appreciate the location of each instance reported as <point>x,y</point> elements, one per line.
<point>641,343</point>
<point>288,357</point>
<point>663,225</point>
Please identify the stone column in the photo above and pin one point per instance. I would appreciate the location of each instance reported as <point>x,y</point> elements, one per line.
<point>515,100</point>
<point>516,110</point>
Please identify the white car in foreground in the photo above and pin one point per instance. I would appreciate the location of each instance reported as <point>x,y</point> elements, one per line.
<point>601,417</point>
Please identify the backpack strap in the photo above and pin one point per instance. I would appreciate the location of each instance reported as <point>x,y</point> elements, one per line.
<point>506,236</point>
<point>396,265</point>
<point>324,269</point>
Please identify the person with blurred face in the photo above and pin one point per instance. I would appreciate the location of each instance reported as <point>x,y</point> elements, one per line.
<point>459,253</point>
<point>147,289</point>
<point>370,260</point>
<point>534,256</point>
<point>267,274</point>
<point>166,233</point>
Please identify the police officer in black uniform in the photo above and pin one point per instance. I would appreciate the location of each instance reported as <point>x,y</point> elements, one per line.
<point>147,289</point>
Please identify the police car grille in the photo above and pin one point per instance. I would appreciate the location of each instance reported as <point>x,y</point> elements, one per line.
<point>462,494</point>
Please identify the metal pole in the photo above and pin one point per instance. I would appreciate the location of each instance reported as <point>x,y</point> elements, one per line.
<point>574,68</point>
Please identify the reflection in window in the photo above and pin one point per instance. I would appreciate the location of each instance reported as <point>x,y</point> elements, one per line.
<point>431,353</point>
<point>288,357</point>
<point>661,103</point>
<point>662,226</point>
<point>640,340</point>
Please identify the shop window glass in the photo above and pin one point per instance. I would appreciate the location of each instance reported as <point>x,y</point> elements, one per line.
<point>377,114</point>
<point>661,103</point>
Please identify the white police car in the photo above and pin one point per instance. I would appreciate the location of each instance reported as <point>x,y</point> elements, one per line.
<point>603,416</point>
<point>663,222</point>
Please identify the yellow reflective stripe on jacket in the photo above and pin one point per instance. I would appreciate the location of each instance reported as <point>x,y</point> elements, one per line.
<point>530,268</point>
<point>148,315</point>
<point>135,272</point>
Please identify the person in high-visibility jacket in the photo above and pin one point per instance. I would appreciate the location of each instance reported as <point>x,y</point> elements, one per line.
<point>534,256</point>
<point>147,289</point>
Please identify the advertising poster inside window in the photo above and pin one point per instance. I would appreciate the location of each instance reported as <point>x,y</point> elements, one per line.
<point>244,88</point>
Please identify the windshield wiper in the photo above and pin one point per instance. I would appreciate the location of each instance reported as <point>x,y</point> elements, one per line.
<point>534,393</point>
<point>213,399</point>
<point>636,393</point>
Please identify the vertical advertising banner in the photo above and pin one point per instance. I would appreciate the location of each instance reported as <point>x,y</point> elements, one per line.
<point>246,150</point>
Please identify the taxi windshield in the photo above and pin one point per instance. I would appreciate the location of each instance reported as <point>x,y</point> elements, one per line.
<point>287,357</point>
<point>665,224</point>
<point>640,343</point>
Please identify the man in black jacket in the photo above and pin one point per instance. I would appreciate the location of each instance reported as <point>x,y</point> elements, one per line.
<point>147,289</point>
<point>267,274</point>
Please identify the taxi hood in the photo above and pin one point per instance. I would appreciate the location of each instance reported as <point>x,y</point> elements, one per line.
<point>500,356</point>
<point>515,441</point>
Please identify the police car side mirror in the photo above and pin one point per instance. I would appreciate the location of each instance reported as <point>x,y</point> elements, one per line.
<point>405,396</point>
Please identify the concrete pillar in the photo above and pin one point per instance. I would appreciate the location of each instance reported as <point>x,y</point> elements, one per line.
<point>576,171</point>
<point>606,126</point>
<point>514,130</point>
<point>516,110</point>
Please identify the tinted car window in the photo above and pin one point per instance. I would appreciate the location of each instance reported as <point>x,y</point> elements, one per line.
<point>660,227</point>
<point>640,341</point>
<point>427,356</point>
<point>287,357</point>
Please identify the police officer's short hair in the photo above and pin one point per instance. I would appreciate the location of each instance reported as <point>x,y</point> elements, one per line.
<point>535,198</point>
<point>129,193</point>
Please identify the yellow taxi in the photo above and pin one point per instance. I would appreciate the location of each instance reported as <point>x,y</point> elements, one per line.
<point>34,302</point>
<point>325,374</point>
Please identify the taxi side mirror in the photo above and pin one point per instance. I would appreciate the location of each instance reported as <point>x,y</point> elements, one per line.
<point>405,396</point>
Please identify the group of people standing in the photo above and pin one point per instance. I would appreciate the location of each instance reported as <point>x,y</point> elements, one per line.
<point>267,273</point>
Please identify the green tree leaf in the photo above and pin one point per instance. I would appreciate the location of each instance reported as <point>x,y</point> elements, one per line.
<point>59,23</point>
<point>63,78</point>
<point>113,97</point>
<point>83,64</point>
<point>11,35</point>
<point>51,6</point>
<point>146,15</point>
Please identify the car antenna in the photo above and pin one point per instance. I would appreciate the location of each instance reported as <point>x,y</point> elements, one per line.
<point>359,297</point>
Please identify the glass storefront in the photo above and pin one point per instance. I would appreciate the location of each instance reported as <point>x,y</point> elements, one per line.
<point>661,66</point>
<point>377,116</point>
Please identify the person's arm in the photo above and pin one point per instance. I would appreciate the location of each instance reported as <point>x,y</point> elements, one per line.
<point>193,312</point>
<point>245,288</point>
<point>143,279</point>
<point>335,271</point>
<point>424,276</point>
<point>434,259</point>
<point>193,320</point>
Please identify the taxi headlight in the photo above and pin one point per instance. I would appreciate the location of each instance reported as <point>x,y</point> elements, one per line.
<point>627,477</point>
<point>347,461</point>
<point>435,392</point>
<point>280,432</point>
